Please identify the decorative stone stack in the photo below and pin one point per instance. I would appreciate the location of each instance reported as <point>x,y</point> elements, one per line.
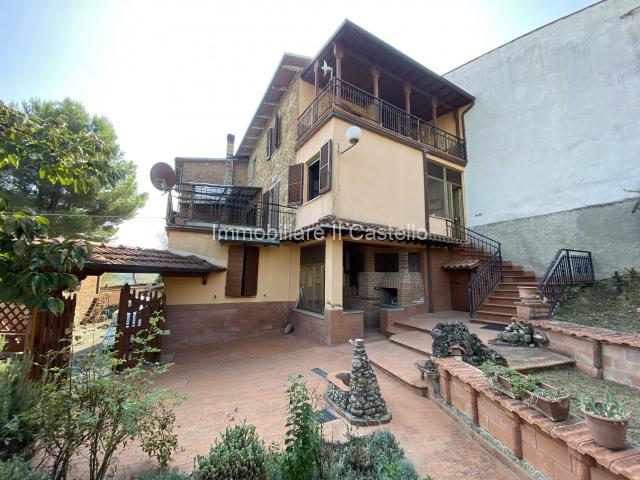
<point>516,334</point>
<point>454,339</point>
<point>364,404</point>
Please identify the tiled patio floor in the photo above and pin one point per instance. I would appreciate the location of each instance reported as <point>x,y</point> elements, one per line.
<point>250,376</point>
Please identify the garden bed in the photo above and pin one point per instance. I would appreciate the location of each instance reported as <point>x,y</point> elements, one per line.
<point>607,303</point>
<point>581,384</point>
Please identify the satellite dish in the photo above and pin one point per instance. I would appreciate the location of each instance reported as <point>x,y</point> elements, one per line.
<point>163,177</point>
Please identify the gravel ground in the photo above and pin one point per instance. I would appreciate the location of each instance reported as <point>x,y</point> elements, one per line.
<point>581,384</point>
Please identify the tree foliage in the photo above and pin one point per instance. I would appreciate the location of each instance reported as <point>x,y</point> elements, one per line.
<point>93,211</point>
<point>34,269</point>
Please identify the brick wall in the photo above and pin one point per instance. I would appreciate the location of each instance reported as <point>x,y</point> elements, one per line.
<point>191,325</point>
<point>240,172</point>
<point>440,289</point>
<point>597,351</point>
<point>203,171</point>
<point>558,450</point>
<point>277,166</point>
<point>335,328</point>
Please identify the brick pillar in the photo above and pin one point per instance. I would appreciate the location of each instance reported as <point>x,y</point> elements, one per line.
<point>580,464</point>
<point>445,388</point>
<point>596,348</point>
<point>333,274</point>
<point>473,405</point>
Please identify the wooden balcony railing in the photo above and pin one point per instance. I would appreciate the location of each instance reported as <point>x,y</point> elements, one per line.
<point>349,98</point>
<point>188,205</point>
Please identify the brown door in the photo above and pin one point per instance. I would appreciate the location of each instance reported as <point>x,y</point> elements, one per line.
<point>458,280</point>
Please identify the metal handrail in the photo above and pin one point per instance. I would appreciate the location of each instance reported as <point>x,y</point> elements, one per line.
<point>490,274</point>
<point>568,268</point>
<point>348,97</point>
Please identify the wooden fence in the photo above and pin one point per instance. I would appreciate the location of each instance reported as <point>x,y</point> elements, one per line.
<point>51,333</point>
<point>134,313</point>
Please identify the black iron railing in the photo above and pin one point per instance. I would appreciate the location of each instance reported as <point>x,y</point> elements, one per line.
<point>226,211</point>
<point>489,251</point>
<point>358,102</point>
<point>567,269</point>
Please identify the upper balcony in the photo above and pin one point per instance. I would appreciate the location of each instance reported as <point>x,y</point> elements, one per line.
<point>232,213</point>
<point>338,95</point>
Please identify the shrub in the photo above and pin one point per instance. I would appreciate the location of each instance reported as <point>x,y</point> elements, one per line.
<point>239,454</point>
<point>374,456</point>
<point>609,407</point>
<point>16,469</point>
<point>91,404</point>
<point>304,437</point>
<point>17,395</point>
<point>171,474</point>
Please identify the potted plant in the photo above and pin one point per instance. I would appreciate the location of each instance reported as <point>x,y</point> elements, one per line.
<point>607,421</point>
<point>552,402</point>
<point>509,381</point>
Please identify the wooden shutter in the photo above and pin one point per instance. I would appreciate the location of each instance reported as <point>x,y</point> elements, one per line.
<point>275,204</point>
<point>325,167</point>
<point>296,181</point>
<point>250,275</point>
<point>276,131</point>
<point>269,141</point>
<point>265,210</point>
<point>235,265</point>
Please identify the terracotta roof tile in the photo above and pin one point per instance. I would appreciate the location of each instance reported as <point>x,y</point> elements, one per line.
<point>122,258</point>
<point>462,263</point>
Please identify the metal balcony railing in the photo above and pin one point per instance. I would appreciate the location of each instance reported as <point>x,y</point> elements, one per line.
<point>227,208</point>
<point>349,98</point>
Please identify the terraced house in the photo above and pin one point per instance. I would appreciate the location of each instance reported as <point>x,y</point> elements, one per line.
<point>329,233</point>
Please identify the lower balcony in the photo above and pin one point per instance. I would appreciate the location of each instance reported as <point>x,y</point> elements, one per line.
<point>232,213</point>
<point>338,95</point>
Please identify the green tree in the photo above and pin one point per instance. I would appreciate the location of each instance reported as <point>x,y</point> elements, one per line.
<point>93,213</point>
<point>33,269</point>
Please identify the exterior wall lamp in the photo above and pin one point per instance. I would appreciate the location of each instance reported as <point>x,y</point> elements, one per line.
<point>353,135</point>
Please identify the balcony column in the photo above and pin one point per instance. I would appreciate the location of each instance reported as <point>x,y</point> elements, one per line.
<point>434,111</point>
<point>338,54</point>
<point>316,77</point>
<point>375,74</point>
<point>407,96</point>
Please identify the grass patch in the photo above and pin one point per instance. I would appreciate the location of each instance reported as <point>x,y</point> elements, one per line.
<point>612,303</point>
<point>581,384</point>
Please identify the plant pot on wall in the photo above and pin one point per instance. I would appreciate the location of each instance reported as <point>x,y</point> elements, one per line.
<point>607,432</point>
<point>549,401</point>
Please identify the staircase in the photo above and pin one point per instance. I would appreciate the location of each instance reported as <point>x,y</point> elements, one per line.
<point>94,312</point>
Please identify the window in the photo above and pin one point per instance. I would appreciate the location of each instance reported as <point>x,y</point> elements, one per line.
<point>242,271</point>
<point>386,262</point>
<point>445,192</point>
<point>313,188</point>
<point>273,137</point>
<point>312,278</point>
<point>269,145</point>
<point>253,170</point>
<point>414,262</point>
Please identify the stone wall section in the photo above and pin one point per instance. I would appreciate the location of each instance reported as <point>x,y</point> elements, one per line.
<point>268,172</point>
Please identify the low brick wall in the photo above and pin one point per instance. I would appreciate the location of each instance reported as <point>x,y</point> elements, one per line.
<point>599,352</point>
<point>388,316</point>
<point>191,325</point>
<point>560,450</point>
<point>334,328</point>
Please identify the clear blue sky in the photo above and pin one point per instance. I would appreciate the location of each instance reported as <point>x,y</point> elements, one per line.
<point>175,77</point>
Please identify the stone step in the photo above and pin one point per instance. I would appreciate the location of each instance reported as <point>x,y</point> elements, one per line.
<point>497,307</point>
<point>399,363</point>
<point>502,300</point>
<point>419,342</point>
<point>519,272</point>
<point>519,279</point>
<point>492,317</point>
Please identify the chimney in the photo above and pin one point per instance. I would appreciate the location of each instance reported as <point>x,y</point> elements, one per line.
<point>230,141</point>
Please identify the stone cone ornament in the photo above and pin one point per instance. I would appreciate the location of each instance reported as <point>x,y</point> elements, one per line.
<point>356,395</point>
<point>365,399</point>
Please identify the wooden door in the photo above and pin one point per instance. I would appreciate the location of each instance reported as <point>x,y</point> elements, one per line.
<point>458,281</point>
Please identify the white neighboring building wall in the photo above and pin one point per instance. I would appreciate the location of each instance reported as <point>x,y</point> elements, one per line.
<point>553,139</point>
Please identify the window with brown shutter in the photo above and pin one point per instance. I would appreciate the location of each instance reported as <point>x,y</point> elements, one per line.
<point>242,271</point>
<point>325,167</point>
<point>276,132</point>
<point>269,142</point>
<point>296,177</point>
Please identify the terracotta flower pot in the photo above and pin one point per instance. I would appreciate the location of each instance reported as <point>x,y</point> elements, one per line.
<point>607,432</point>
<point>506,387</point>
<point>528,293</point>
<point>555,410</point>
